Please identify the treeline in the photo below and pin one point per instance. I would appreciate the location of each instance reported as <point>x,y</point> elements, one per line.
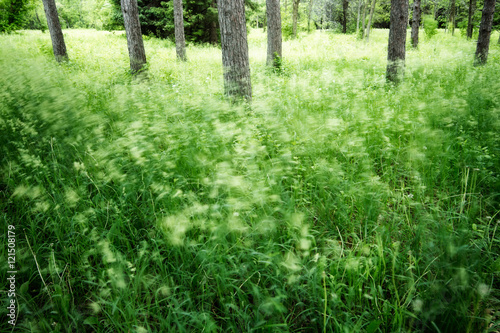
<point>29,14</point>
<point>343,15</point>
<point>201,18</point>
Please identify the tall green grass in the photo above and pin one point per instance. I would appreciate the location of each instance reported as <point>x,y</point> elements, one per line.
<point>333,203</point>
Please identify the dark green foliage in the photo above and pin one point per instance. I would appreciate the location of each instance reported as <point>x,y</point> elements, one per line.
<point>157,18</point>
<point>13,14</point>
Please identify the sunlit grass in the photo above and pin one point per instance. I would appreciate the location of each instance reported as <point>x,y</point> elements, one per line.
<point>335,202</point>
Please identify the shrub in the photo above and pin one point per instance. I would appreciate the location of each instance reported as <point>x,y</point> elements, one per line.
<point>430,26</point>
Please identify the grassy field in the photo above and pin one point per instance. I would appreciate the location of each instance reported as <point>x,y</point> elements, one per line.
<point>333,203</point>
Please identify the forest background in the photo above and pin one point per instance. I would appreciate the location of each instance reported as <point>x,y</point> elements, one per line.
<point>200,16</point>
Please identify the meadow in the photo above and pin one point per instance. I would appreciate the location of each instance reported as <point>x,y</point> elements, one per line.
<point>333,203</point>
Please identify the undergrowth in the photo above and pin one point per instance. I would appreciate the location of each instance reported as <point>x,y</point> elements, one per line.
<point>334,203</point>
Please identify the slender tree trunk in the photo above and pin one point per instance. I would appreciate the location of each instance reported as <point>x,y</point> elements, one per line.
<point>483,41</point>
<point>39,21</point>
<point>397,40</point>
<point>358,16</point>
<point>295,16</point>
<point>452,17</point>
<point>372,10</point>
<point>135,44</point>
<point>214,39</point>
<point>180,42</point>
<point>309,14</point>
<point>470,24</point>
<point>274,39</point>
<point>80,19</point>
<point>345,7</point>
<point>415,25</point>
<point>55,30</point>
<point>235,61</point>
<point>363,23</point>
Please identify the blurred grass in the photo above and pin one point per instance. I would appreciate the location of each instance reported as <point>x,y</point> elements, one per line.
<point>333,203</point>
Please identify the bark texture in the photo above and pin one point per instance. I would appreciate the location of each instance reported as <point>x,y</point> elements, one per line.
<point>180,41</point>
<point>274,37</point>
<point>295,16</point>
<point>345,7</point>
<point>235,61</point>
<point>415,24</point>
<point>372,10</point>
<point>470,26</point>
<point>55,30</point>
<point>483,41</point>
<point>397,40</point>
<point>135,44</point>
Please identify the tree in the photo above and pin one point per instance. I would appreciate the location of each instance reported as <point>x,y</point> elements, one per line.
<point>360,2</point>
<point>372,9</point>
<point>295,15</point>
<point>397,40</point>
<point>235,61</point>
<point>309,14</point>
<point>274,38</point>
<point>345,7</point>
<point>56,34</point>
<point>415,25</point>
<point>470,24</point>
<point>214,39</point>
<point>483,41</point>
<point>452,16</point>
<point>180,42</point>
<point>135,43</point>
<point>364,19</point>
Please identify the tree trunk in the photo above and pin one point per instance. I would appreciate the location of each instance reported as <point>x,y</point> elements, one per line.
<point>309,14</point>
<point>397,40</point>
<point>274,39</point>
<point>295,16</point>
<point>214,39</point>
<point>359,14</point>
<point>452,17</point>
<point>39,22</point>
<point>470,24</point>
<point>235,61</point>
<point>415,25</point>
<point>363,23</point>
<point>345,7</point>
<point>180,42</point>
<point>55,30</point>
<point>483,41</point>
<point>372,10</point>
<point>135,44</point>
